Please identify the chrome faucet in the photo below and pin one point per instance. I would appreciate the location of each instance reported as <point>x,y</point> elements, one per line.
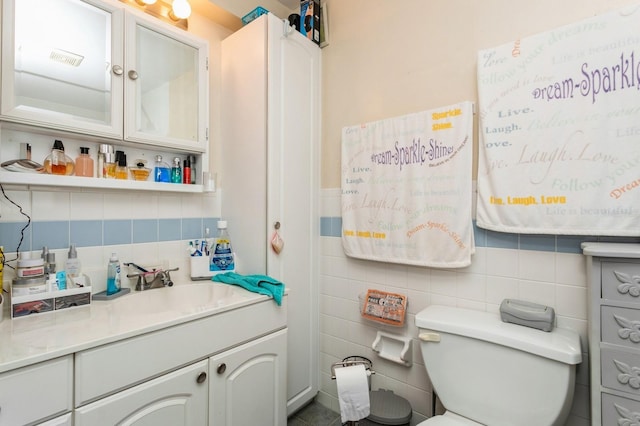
<point>147,280</point>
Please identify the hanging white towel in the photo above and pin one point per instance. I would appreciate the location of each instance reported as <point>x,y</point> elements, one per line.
<point>406,188</point>
<point>558,151</point>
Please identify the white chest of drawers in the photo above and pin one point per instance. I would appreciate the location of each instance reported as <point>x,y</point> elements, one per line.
<point>613,272</point>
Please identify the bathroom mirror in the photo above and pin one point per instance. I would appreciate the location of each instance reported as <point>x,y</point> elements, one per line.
<point>63,58</point>
<point>167,85</point>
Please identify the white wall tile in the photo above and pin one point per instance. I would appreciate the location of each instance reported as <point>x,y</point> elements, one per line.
<point>571,301</point>
<point>50,205</point>
<point>571,269</point>
<point>119,205</point>
<point>86,206</point>
<point>10,212</point>
<point>145,206</point>
<point>537,266</point>
<point>502,262</point>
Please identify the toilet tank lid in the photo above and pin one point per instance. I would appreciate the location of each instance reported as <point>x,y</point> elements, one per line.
<point>560,344</point>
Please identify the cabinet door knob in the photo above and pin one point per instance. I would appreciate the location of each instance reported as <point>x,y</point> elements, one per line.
<point>117,70</point>
<point>201,377</point>
<point>133,74</point>
<point>221,368</point>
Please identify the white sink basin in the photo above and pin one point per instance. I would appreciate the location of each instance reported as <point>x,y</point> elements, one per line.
<point>184,298</point>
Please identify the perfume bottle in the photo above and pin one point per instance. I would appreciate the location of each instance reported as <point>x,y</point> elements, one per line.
<point>176,171</point>
<point>58,163</point>
<point>121,169</point>
<point>161,170</point>
<point>84,163</point>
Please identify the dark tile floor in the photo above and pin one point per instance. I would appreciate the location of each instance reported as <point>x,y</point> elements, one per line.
<point>316,414</point>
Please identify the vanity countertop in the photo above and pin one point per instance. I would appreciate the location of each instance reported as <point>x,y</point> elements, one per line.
<point>40,337</point>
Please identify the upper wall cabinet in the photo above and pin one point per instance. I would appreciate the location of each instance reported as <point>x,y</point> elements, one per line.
<point>100,68</point>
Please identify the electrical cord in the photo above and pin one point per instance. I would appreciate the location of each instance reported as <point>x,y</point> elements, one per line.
<point>4,258</point>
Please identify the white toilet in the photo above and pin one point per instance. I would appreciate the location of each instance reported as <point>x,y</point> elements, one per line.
<point>487,372</point>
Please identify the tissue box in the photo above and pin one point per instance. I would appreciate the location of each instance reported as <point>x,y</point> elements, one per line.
<point>310,19</point>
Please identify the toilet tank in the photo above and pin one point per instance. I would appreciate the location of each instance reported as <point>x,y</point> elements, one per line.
<point>496,373</point>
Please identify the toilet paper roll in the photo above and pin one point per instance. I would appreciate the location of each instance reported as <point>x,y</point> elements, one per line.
<point>353,392</point>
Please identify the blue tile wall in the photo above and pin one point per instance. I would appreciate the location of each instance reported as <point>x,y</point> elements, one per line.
<point>332,227</point>
<point>90,233</point>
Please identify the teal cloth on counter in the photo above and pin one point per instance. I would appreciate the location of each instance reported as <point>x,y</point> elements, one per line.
<point>261,284</point>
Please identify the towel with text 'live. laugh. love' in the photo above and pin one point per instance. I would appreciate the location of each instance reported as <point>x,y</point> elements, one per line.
<point>407,190</point>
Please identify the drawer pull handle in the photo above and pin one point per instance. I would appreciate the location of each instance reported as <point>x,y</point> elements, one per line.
<point>202,377</point>
<point>221,368</point>
<point>629,329</point>
<point>630,285</point>
<point>628,375</point>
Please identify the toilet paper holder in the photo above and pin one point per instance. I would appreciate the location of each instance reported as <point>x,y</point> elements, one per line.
<point>349,361</point>
<point>394,348</point>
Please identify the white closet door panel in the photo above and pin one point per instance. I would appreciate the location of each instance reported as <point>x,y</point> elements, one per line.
<point>244,123</point>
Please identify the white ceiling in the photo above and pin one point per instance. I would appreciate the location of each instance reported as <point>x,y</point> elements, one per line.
<point>291,4</point>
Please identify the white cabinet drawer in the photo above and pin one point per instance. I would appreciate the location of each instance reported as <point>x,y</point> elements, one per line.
<point>38,392</point>
<point>620,326</point>
<point>107,369</point>
<point>621,281</point>
<point>619,411</point>
<point>620,370</point>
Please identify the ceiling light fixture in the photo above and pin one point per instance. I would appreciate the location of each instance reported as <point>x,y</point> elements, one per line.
<point>174,12</point>
<point>180,9</point>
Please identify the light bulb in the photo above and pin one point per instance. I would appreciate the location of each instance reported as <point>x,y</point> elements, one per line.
<point>181,9</point>
<point>145,2</point>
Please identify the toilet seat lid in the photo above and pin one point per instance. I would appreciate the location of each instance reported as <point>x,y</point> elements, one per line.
<point>388,408</point>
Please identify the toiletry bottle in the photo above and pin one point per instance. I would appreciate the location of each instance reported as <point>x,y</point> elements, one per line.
<point>121,169</point>
<point>140,172</point>
<point>161,170</point>
<point>186,172</point>
<point>72,264</point>
<point>109,170</point>
<point>84,163</point>
<point>113,275</point>
<point>58,163</point>
<point>222,258</point>
<point>103,149</point>
<point>192,161</point>
<point>176,171</point>
<point>50,271</point>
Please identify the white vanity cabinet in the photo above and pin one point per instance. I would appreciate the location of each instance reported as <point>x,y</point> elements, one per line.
<point>178,398</point>
<point>247,384</point>
<point>271,127</point>
<point>613,271</point>
<point>164,378</point>
<point>101,68</point>
<point>37,393</point>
